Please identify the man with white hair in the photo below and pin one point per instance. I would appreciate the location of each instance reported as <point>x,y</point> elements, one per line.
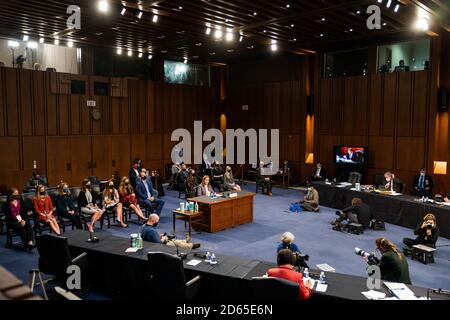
<point>150,234</point>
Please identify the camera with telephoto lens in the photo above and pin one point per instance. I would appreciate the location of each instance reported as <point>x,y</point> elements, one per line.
<point>371,259</point>
<point>300,260</point>
<point>429,226</point>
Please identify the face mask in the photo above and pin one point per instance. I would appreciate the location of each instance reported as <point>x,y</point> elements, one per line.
<point>42,191</point>
<point>111,186</point>
<point>127,183</point>
<point>144,177</point>
<point>15,197</point>
<point>155,224</point>
<point>66,190</point>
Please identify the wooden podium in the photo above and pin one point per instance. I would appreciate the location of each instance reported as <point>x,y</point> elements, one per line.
<point>223,213</point>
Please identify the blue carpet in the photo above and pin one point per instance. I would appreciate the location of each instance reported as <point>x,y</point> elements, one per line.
<point>259,240</point>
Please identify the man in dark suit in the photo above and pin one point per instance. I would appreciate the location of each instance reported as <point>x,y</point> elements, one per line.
<point>133,174</point>
<point>358,212</point>
<point>319,174</point>
<point>423,184</point>
<point>146,194</point>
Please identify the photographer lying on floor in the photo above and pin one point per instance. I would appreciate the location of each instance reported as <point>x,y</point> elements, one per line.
<point>358,212</point>
<point>150,234</point>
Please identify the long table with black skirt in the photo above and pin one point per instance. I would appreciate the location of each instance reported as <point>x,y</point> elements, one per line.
<point>123,275</point>
<point>401,210</point>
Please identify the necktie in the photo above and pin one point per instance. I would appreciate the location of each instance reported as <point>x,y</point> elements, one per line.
<point>421,182</point>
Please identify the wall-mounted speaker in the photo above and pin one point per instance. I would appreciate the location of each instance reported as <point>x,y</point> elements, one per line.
<point>310,105</point>
<point>443,98</point>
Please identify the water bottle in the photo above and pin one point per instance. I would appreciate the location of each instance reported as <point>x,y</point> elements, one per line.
<point>306,273</point>
<point>213,259</point>
<point>322,277</point>
<point>140,242</point>
<point>196,207</point>
<point>208,257</point>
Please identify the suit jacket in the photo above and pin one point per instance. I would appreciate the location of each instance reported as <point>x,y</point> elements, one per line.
<point>397,184</point>
<point>23,212</point>
<point>134,177</point>
<point>393,268</point>
<point>285,272</point>
<point>141,191</point>
<point>428,182</point>
<point>363,213</point>
<point>323,173</point>
<point>201,190</point>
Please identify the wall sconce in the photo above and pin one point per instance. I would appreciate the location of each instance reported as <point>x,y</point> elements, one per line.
<point>310,158</point>
<point>440,167</point>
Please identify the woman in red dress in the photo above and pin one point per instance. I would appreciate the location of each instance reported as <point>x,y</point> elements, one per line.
<point>128,197</point>
<point>44,209</point>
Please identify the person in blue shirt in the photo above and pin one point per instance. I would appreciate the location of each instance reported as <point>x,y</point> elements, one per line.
<point>146,194</point>
<point>150,234</point>
<point>287,242</point>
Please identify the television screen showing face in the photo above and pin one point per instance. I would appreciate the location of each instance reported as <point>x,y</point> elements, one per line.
<point>350,155</point>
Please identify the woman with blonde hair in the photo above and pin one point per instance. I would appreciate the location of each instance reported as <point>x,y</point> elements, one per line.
<point>427,232</point>
<point>65,207</point>
<point>43,208</point>
<point>128,197</point>
<point>228,180</point>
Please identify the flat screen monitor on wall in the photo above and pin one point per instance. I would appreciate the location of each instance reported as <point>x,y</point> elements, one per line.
<point>350,155</point>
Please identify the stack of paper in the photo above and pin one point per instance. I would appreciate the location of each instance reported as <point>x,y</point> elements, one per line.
<point>325,267</point>
<point>373,295</point>
<point>400,290</point>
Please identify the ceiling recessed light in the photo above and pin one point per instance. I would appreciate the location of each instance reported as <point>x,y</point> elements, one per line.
<point>292,25</point>
<point>119,51</point>
<point>384,24</point>
<point>180,8</point>
<point>288,6</point>
<point>199,44</point>
<point>56,42</point>
<point>155,18</point>
<point>351,30</point>
<point>26,38</point>
<point>212,53</point>
<point>150,57</point>
<point>32,45</point>
<point>218,34</point>
<point>99,33</point>
<point>250,47</point>
<point>255,13</point>
<point>163,51</point>
<point>130,53</point>
<point>185,60</point>
<point>274,47</point>
<point>230,50</point>
<point>396,8</point>
<point>323,19</point>
<point>41,40</point>
<point>140,54</point>
<point>13,44</point>
<point>195,57</point>
<point>229,36</point>
<point>208,31</point>
<point>140,14</point>
<point>70,44</point>
<point>321,34</point>
<point>388,4</point>
<point>241,38</point>
<point>358,12</point>
<point>123,11</point>
<point>264,30</point>
<point>103,6</point>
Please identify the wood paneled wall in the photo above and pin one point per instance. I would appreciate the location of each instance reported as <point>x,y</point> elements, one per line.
<point>389,114</point>
<point>276,105</point>
<point>58,132</point>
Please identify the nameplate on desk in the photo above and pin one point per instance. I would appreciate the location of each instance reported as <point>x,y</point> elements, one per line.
<point>132,250</point>
<point>233,195</point>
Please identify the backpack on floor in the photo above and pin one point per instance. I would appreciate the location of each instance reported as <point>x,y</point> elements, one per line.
<point>377,225</point>
<point>295,207</point>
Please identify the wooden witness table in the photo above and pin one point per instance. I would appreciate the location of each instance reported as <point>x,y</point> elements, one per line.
<point>222,213</point>
<point>187,216</point>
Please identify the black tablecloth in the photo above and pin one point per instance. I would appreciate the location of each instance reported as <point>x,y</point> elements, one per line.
<point>125,275</point>
<point>402,210</point>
